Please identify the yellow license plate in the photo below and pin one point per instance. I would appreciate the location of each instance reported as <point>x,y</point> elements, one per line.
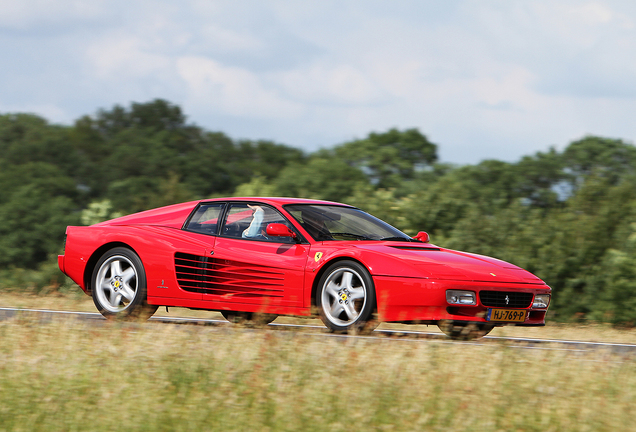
<point>506,315</point>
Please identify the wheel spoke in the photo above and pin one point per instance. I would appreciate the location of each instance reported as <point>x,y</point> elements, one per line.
<point>114,298</point>
<point>128,274</point>
<point>336,309</point>
<point>346,280</point>
<point>356,293</point>
<point>332,289</point>
<point>350,311</point>
<point>115,268</point>
<point>127,292</point>
<point>105,285</point>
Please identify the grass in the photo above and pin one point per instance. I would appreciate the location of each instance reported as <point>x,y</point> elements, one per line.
<point>71,375</point>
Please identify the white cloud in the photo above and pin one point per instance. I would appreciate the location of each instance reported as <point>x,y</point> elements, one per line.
<point>483,79</point>
<point>51,112</point>
<point>124,55</point>
<point>25,14</point>
<point>231,90</point>
<point>228,40</point>
<point>337,84</point>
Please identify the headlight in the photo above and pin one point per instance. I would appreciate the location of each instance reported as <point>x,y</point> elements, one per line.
<point>541,301</point>
<point>460,297</point>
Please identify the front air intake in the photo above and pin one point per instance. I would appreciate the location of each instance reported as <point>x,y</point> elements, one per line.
<point>505,299</point>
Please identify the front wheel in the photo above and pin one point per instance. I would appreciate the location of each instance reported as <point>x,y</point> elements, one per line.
<point>346,297</point>
<point>464,330</point>
<point>119,286</point>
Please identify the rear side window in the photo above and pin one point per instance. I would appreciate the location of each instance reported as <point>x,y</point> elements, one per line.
<point>206,219</point>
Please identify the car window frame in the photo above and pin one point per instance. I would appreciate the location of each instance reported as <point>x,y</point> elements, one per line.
<point>287,207</point>
<point>220,218</point>
<point>300,239</point>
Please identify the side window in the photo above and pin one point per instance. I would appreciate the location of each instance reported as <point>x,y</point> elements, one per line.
<point>206,219</point>
<point>249,221</point>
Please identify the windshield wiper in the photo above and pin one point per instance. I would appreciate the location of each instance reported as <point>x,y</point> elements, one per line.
<point>346,234</point>
<point>397,239</point>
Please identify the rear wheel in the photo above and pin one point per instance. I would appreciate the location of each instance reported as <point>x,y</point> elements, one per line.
<point>464,330</point>
<point>119,286</point>
<point>346,298</point>
<point>248,318</point>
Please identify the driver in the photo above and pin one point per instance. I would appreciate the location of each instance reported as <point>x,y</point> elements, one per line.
<point>254,230</point>
<point>314,224</point>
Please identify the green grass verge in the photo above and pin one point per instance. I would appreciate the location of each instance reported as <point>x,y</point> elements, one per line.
<point>69,375</point>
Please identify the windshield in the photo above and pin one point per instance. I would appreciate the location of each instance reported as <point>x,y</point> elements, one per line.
<point>327,222</point>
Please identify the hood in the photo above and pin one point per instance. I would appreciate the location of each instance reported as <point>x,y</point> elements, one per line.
<point>439,263</point>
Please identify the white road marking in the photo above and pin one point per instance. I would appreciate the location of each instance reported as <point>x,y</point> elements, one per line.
<point>438,336</point>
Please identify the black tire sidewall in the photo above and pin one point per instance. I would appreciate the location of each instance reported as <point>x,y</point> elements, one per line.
<point>365,314</point>
<point>136,307</point>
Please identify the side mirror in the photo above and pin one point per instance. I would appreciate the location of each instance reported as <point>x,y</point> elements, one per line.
<point>279,230</point>
<point>422,236</point>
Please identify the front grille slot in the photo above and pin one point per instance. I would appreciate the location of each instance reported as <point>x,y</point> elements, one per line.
<point>498,299</point>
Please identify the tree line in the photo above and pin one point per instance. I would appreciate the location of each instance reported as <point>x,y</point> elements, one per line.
<point>568,216</point>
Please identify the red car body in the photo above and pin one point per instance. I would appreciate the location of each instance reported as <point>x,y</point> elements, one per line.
<point>411,280</point>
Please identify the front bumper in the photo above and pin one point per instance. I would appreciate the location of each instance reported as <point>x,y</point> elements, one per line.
<point>422,300</point>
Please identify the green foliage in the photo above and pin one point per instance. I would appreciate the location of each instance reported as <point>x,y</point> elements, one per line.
<point>565,216</point>
<point>26,138</point>
<point>256,187</point>
<point>36,204</point>
<point>266,159</point>
<point>322,177</point>
<point>384,204</point>
<point>389,158</point>
<point>609,158</point>
<point>98,211</point>
<point>130,156</point>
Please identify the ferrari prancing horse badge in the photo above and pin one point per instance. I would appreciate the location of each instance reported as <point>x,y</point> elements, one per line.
<point>318,256</point>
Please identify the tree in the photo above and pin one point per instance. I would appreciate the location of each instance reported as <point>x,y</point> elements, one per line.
<point>36,205</point>
<point>137,148</point>
<point>391,157</point>
<point>26,138</point>
<point>609,158</point>
<point>320,178</point>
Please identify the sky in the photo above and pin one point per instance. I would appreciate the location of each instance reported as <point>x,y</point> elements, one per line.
<point>483,79</point>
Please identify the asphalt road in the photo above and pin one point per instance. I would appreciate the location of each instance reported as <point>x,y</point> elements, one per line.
<point>45,316</point>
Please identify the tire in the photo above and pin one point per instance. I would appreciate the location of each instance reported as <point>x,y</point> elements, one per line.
<point>464,330</point>
<point>248,318</point>
<point>118,286</point>
<point>346,298</point>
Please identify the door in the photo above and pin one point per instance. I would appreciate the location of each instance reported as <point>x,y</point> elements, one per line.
<point>248,266</point>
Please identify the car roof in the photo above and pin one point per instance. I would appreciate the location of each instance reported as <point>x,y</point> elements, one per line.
<point>175,215</point>
<point>277,200</point>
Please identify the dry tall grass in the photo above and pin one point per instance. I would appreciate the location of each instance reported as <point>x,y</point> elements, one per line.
<point>71,375</point>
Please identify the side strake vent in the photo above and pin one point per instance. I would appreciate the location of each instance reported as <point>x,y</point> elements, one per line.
<point>225,277</point>
<point>505,299</point>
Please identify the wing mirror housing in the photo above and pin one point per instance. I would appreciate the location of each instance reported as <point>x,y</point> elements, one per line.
<point>422,236</point>
<point>279,230</point>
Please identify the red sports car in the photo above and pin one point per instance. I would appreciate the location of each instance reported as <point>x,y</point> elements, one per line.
<point>255,258</point>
